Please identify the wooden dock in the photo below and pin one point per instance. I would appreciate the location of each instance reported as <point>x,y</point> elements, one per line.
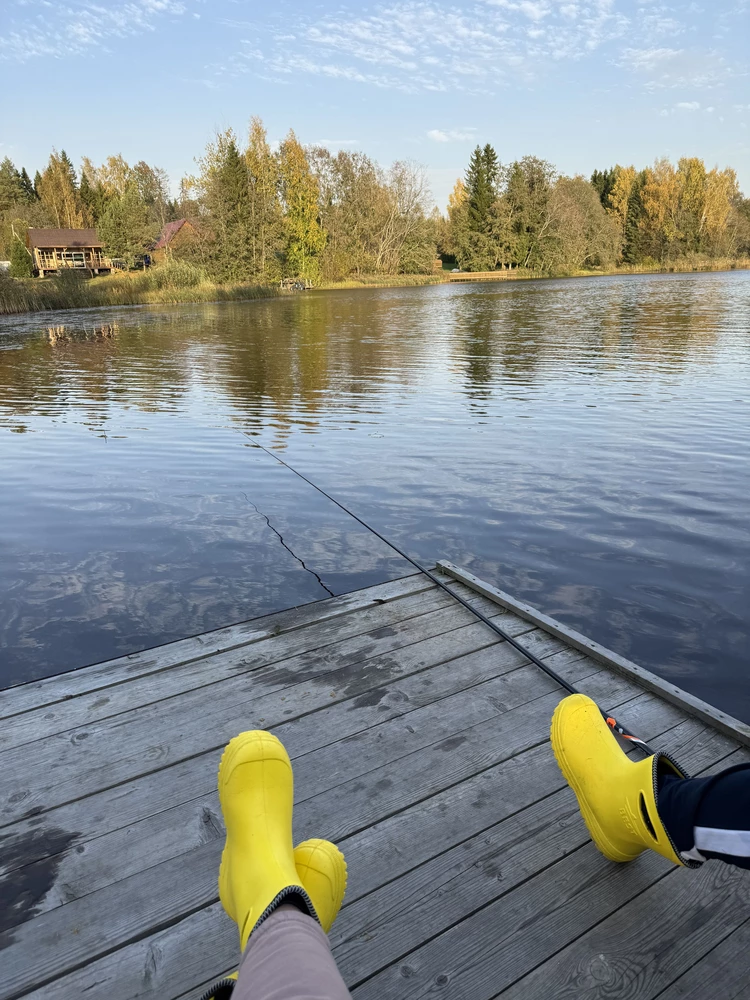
<point>505,274</point>
<point>420,745</point>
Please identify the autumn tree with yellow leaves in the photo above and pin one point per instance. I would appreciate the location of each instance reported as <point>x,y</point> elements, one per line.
<point>665,213</point>
<point>260,212</point>
<point>305,237</point>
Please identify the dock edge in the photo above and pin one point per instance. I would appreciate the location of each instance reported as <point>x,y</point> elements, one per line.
<point>665,689</point>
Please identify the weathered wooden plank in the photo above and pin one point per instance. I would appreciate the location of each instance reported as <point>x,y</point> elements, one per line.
<point>336,813</point>
<point>485,954</point>
<point>118,854</point>
<point>163,966</point>
<point>79,762</point>
<point>97,705</point>
<point>104,811</point>
<point>147,689</point>
<point>425,772</point>
<point>723,972</point>
<point>670,692</point>
<point>440,723</point>
<point>740,756</point>
<point>191,781</point>
<point>427,758</point>
<point>175,831</point>
<point>690,912</point>
<point>188,788</point>
<point>379,929</point>
<point>404,840</point>
<point>316,641</point>
<point>172,960</point>
<point>119,912</point>
<point>49,690</point>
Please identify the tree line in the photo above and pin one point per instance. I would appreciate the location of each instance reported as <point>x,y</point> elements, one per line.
<point>261,213</point>
<point>526,214</point>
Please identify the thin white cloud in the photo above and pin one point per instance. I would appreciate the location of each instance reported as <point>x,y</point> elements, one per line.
<point>535,10</point>
<point>688,105</point>
<point>69,29</point>
<point>451,135</point>
<point>436,45</point>
<point>664,67</point>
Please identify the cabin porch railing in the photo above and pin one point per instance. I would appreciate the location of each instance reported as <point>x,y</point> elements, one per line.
<point>55,260</point>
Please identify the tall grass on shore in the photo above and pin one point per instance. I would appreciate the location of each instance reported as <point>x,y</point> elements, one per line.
<point>178,281</point>
<point>172,282</point>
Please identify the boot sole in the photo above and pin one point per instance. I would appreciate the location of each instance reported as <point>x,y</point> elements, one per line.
<point>231,751</point>
<point>592,824</point>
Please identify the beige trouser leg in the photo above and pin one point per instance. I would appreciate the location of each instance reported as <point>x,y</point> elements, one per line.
<point>288,958</point>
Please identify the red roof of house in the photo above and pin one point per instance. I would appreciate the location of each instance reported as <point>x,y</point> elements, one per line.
<point>168,233</point>
<point>64,238</point>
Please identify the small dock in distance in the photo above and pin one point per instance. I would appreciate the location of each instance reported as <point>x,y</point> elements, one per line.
<point>420,744</point>
<point>501,274</point>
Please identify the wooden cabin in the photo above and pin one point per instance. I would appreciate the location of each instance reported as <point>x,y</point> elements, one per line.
<point>174,236</point>
<point>54,250</point>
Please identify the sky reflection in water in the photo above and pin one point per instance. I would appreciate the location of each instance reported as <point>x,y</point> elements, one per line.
<point>582,443</point>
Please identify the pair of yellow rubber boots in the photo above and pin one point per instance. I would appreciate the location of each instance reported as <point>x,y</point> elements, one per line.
<point>260,868</point>
<point>618,797</point>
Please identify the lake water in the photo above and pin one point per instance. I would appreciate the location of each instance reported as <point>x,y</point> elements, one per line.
<point>585,444</point>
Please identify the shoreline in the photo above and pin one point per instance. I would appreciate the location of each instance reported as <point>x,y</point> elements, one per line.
<point>478,277</point>
<point>35,297</point>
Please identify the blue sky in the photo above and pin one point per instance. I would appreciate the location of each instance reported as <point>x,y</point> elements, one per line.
<point>583,83</point>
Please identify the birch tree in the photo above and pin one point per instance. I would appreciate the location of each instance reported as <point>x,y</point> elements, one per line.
<point>58,192</point>
<point>265,220</point>
<point>305,237</point>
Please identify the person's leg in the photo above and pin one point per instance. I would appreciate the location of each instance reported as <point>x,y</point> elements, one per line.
<point>616,795</point>
<point>288,958</point>
<point>283,900</point>
<point>322,871</point>
<point>631,805</point>
<point>709,817</point>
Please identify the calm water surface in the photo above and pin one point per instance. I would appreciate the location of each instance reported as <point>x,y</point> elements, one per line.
<point>585,444</point>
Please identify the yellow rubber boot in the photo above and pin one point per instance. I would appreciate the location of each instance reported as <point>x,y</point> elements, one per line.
<point>322,871</point>
<point>256,792</point>
<point>616,795</point>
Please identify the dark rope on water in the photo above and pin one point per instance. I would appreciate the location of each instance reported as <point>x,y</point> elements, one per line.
<point>290,551</point>
<point>616,726</point>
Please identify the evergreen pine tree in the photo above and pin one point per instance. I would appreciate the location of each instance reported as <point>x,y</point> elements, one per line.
<point>235,208</point>
<point>481,187</point>
<point>482,176</point>
<point>125,228</point>
<point>224,180</point>
<point>37,183</point>
<point>492,168</point>
<point>11,192</point>
<point>632,244</point>
<point>88,197</point>
<point>603,182</point>
<point>27,187</point>
<point>20,259</point>
<point>68,169</point>
<point>233,179</point>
